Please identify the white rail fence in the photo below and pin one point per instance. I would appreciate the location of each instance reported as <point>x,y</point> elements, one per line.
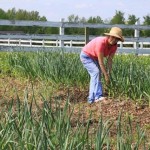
<point>136,44</point>
<point>70,43</point>
<point>125,47</point>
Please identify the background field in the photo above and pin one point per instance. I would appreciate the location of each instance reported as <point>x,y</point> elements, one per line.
<point>43,100</point>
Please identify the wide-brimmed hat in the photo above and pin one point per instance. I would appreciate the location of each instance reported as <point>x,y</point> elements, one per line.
<point>116,32</point>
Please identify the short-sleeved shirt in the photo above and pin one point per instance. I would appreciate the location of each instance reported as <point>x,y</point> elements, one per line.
<point>97,45</point>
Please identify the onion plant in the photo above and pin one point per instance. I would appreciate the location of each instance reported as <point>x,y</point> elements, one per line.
<point>130,76</point>
<point>57,67</point>
<point>51,126</point>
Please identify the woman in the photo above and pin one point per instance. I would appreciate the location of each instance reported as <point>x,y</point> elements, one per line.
<point>92,56</point>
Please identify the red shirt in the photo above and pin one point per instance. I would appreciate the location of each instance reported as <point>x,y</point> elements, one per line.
<point>97,45</point>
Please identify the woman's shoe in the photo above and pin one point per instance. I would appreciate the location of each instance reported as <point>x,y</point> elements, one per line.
<point>103,100</point>
<point>100,99</point>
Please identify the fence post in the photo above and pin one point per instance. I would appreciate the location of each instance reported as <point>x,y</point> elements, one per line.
<point>86,35</point>
<point>30,42</point>
<point>9,42</point>
<point>19,42</point>
<point>61,32</point>
<point>136,35</point>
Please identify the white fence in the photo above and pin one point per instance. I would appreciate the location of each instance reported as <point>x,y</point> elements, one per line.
<point>125,47</point>
<point>74,43</point>
<point>70,43</point>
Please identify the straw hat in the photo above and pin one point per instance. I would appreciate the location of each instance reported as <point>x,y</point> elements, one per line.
<point>116,32</point>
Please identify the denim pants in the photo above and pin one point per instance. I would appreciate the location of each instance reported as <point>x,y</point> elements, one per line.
<point>92,66</point>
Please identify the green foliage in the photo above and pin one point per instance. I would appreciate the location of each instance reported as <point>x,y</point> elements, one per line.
<point>130,76</point>
<point>20,14</point>
<point>56,67</point>
<point>75,31</point>
<point>96,31</point>
<point>146,33</point>
<point>131,21</point>
<point>52,127</point>
<point>3,15</point>
<point>118,18</point>
<point>5,68</point>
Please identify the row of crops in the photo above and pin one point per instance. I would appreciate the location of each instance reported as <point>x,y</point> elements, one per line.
<point>50,128</point>
<point>27,125</point>
<point>130,76</point>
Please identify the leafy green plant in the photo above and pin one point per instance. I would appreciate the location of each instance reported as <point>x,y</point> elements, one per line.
<point>130,76</point>
<point>50,127</point>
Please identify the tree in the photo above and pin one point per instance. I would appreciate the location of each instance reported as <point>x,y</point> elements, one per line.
<point>146,22</point>
<point>118,18</point>
<point>96,20</point>
<point>13,14</point>
<point>74,19</point>
<point>3,15</point>
<point>131,21</point>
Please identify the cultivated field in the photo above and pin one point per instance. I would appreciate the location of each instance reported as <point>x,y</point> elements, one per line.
<point>43,103</point>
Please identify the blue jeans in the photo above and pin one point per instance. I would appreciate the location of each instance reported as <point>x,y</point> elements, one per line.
<point>92,66</point>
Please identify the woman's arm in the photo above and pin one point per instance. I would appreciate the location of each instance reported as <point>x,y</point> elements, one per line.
<point>109,63</point>
<point>102,66</point>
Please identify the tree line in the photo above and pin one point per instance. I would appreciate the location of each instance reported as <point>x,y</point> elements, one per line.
<point>118,18</point>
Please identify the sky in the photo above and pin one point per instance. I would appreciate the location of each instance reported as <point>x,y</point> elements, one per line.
<point>54,10</point>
